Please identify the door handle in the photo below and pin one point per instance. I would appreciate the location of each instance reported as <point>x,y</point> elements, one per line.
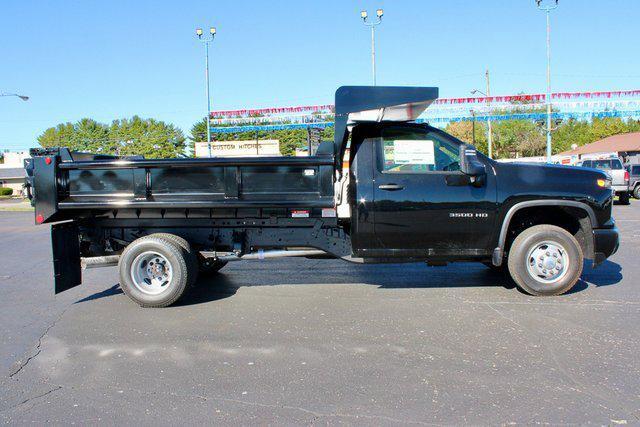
<point>390,187</point>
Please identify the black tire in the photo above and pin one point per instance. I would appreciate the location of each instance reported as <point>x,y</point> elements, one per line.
<point>532,241</point>
<point>636,192</point>
<point>624,198</point>
<point>190,255</point>
<point>173,254</point>
<point>208,266</point>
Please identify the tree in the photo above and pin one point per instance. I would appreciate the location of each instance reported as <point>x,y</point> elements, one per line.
<point>518,137</point>
<point>569,133</point>
<point>199,131</point>
<point>59,136</point>
<point>464,132</point>
<point>135,136</point>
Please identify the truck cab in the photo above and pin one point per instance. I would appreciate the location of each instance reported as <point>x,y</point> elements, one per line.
<point>412,193</point>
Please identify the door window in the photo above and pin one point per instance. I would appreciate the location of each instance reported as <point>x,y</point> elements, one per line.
<point>410,150</point>
<point>635,170</point>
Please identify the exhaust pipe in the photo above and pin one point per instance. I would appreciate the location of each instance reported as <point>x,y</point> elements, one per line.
<point>99,261</point>
<point>262,255</point>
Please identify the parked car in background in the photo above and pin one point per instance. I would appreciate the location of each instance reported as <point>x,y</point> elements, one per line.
<point>634,180</point>
<point>619,176</point>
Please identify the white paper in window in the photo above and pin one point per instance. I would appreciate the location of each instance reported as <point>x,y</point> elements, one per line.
<point>413,152</point>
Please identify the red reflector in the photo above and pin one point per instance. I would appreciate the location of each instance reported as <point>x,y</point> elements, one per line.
<point>39,219</point>
<point>47,160</point>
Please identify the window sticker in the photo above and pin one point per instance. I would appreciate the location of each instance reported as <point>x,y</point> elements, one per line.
<point>413,152</point>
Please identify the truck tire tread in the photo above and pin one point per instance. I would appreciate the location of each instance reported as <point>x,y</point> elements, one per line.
<point>179,266</point>
<point>518,253</point>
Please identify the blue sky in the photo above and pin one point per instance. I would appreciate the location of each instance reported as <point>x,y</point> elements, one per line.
<point>114,59</point>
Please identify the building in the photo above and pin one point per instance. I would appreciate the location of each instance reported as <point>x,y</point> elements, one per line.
<point>12,172</point>
<point>12,178</point>
<point>14,159</point>
<point>252,148</point>
<point>626,145</point>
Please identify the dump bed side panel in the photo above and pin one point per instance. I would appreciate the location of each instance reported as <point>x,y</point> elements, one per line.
<point>65,188</point>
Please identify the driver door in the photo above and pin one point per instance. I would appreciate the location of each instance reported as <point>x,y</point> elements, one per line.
<point>421,208</point>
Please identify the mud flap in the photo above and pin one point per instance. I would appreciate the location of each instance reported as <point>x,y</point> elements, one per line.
<point>66,256</point>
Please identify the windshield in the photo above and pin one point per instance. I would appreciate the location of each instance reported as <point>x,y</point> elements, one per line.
<point>607,164</point>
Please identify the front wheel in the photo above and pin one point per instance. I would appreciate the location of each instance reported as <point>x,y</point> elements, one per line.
<point>636,192</point>
<point>545,260</point>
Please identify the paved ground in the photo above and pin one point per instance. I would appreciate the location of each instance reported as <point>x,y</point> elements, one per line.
<point>318,342</point>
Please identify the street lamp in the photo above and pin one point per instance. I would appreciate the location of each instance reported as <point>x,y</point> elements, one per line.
<point>364,15</point>
<point>206,41</point>
<point>489,133</point>
<point>547,8</point>
<point>23,97</point>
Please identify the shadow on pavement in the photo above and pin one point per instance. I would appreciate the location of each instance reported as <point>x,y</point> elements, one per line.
<point>385,276</point>
<point>114,290</point>
<point>608,273</point>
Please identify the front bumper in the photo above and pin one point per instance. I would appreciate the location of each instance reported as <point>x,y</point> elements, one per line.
<point>605,243</point>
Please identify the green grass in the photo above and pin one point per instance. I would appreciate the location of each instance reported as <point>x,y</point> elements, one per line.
<point>24,206</point>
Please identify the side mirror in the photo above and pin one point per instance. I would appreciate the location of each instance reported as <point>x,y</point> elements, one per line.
<point>471,166</point>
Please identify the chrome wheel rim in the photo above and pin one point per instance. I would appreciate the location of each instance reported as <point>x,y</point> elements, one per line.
<point>151,273</point>
<point>547,262</point>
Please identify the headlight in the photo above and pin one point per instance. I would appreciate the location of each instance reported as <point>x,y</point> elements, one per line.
<point>604,183</point>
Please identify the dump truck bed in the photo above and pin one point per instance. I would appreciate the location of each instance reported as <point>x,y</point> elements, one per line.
<point>120,183</point>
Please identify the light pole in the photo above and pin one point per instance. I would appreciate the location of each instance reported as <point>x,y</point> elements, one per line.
<point>489,133</point>
<point>206,41</point>
<point>547,8</point>
<point>372,25</point>
<point>23,97</point>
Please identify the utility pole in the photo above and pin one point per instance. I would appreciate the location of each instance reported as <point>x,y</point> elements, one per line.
<point>364,15</point>
<point>489,133</point>
<point>547,9</point>
<point>473,127</point>
<point>487,95</point>
<point>206,41</point>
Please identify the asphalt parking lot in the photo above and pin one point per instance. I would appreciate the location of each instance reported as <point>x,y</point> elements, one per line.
<point>319,342</point>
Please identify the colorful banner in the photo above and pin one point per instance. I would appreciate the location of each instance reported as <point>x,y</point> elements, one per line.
<point>271,110</point>
<point>588,115</point>
<point>524,98</point>
<point>253,128</point>
<point>538,97</point>
<point>583,115</point>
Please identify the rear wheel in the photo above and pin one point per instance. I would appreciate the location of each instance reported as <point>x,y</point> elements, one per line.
<point>191,257</point>
<point>636,192</point>
<point>624,198</point>
<point>545,260</point>
<point>153,271</point>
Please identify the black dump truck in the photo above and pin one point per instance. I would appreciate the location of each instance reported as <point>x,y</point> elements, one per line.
<point>408,193</point>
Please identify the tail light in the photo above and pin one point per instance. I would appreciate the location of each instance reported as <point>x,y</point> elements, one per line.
<point>626,176</point>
